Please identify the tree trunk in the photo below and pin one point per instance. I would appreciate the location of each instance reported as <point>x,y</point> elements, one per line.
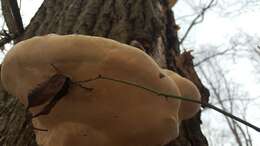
<point>146,21</point>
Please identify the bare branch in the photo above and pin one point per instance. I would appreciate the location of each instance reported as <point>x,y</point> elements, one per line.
<point>198,19</point>
<point>231,123</point>
<point>236,99</point>
<point>257,50</point>
<point>237,131</point>
<point>100,77</point>
<point>212,56</point>
<point>12,16</point>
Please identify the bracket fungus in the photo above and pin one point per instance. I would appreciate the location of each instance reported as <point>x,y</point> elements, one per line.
<point>187,90</point>
<point>116,114</point>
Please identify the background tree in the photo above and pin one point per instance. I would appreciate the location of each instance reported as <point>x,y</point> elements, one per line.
<point>223,59</point>
<point>149,22</point>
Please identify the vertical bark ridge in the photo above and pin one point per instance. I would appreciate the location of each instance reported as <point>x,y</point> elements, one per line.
<point>15,130</point>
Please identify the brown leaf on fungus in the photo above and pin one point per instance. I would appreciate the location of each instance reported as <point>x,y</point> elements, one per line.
<point>48,89</point>
<point>53,89</point>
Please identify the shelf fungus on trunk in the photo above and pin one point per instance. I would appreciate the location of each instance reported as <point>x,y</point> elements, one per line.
<point>187,90</point>
<point>111,113</point>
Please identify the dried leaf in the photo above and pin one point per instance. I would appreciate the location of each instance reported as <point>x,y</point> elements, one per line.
<point>64,89</point>
<point>48,89</point>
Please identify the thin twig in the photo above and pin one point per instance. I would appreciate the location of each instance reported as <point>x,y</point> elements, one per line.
<point>177,97</point>
<point>198,19</point>
<point>212,56</point>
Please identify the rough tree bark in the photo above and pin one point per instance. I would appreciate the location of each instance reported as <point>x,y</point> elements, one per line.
<point>148,22</point>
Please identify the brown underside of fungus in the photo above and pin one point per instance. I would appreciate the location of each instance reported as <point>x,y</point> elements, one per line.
<point>111,113</point>
<point>187,90</point>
